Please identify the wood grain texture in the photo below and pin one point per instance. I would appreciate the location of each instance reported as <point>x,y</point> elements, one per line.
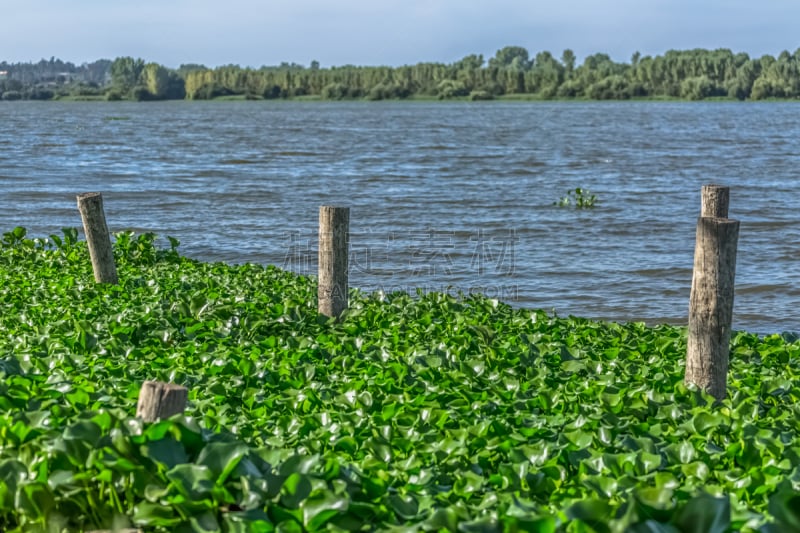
<point>158,400</point>
<point>334,228</point>
<point>90,206</point>
<point>711,304</point>
<point>714,200</point>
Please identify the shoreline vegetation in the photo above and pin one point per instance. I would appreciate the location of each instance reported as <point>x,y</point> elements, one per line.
<point>512,74</point>
<point>426,413</point>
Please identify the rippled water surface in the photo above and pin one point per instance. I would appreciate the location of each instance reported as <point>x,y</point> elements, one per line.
<point>443,196</point>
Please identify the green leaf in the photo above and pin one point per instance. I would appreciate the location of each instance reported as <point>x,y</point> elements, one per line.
<point>12,473</point>
<point>784,506</point>
<point>468,483</point>
<point>10,366</point>
<point>648,462</point>
<point>166,451</point>
<point>444,518</point>
<point>605,487</point>
<point>70,235</point>
<point>86,431</point>
<point>252,521</point>
<point>374,487</point>
<point>705,514</point>
<point>320,507</point>
<point>581,439</point>
<point>295,490</point>
<point>222,458</point>
<point>655,502</point>
<point>60,477</point>
<point>589,509</point>
<point>594,512</point>
<point>704,421</point>
<point>194,481</point>
<point>34,499</point>
<point>681,452</point>
<point>482,525</point>
<point>651,526</point>
<point>697,470</point>
<point>299,464</point>
<point>531,525</point>
<point>154,515</point>
<point>406,507</point>
<point>204,523</point>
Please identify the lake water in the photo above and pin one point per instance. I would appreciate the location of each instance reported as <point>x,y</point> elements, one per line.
<point>443,196</point>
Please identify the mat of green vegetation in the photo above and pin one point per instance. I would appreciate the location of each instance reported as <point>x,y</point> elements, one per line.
<point>429,412</point>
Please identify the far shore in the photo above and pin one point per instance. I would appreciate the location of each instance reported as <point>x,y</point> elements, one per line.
<point>416,98</point>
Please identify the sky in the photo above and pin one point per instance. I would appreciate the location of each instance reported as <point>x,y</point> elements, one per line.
<point>384,32</point>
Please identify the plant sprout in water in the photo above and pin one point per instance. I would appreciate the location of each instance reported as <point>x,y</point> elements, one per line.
<point>580,198</point>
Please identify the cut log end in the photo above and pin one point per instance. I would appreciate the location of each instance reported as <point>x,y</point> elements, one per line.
<point>159,400</point>
<point>88,196</point>
<point>714,201</point>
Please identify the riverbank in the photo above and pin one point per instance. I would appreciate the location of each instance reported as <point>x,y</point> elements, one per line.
<point>428,412</point>
<point>424,98</point>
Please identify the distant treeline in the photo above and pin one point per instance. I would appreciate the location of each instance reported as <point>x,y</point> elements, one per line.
<point>52,78</point>
<point>690,74</point>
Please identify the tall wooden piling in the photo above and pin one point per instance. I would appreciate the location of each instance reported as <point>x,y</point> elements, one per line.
<point>334,228</point>
<point>711,300</point>
<point>90,205</point>
<point>159,400</point>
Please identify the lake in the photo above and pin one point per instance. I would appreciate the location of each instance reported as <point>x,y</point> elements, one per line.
<point>443,196</point>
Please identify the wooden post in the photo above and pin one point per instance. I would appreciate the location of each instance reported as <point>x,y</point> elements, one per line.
<point>711,300</point>
<point>714,201</point>
<point>90,205</point>
<point>334,227</point>
<point>161,400</point>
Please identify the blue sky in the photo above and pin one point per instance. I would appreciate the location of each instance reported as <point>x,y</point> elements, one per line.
<point>384,32</point>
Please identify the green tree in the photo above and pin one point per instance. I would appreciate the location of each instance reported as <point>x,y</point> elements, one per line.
<point>614,87</point>
<point>451,89</point>
<point>156,80</point>
<point>511,56</point>
<point>186,68</point>
<point>545,77</point>
<point>699,87</point>
<point>470,62</point>
<point>126,73</point>
<point>568,60</point>
<point>741,85</point>
<point>691,74</point>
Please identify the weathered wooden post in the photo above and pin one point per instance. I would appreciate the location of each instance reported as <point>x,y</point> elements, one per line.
<point>334,228</point>
<point>90,205</point>
<point>157,400</point>
<point>714,201</point>
<point>711,300</point>
<point>161,400</point>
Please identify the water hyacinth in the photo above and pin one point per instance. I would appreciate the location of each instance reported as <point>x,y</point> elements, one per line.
<point>430,412</point>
